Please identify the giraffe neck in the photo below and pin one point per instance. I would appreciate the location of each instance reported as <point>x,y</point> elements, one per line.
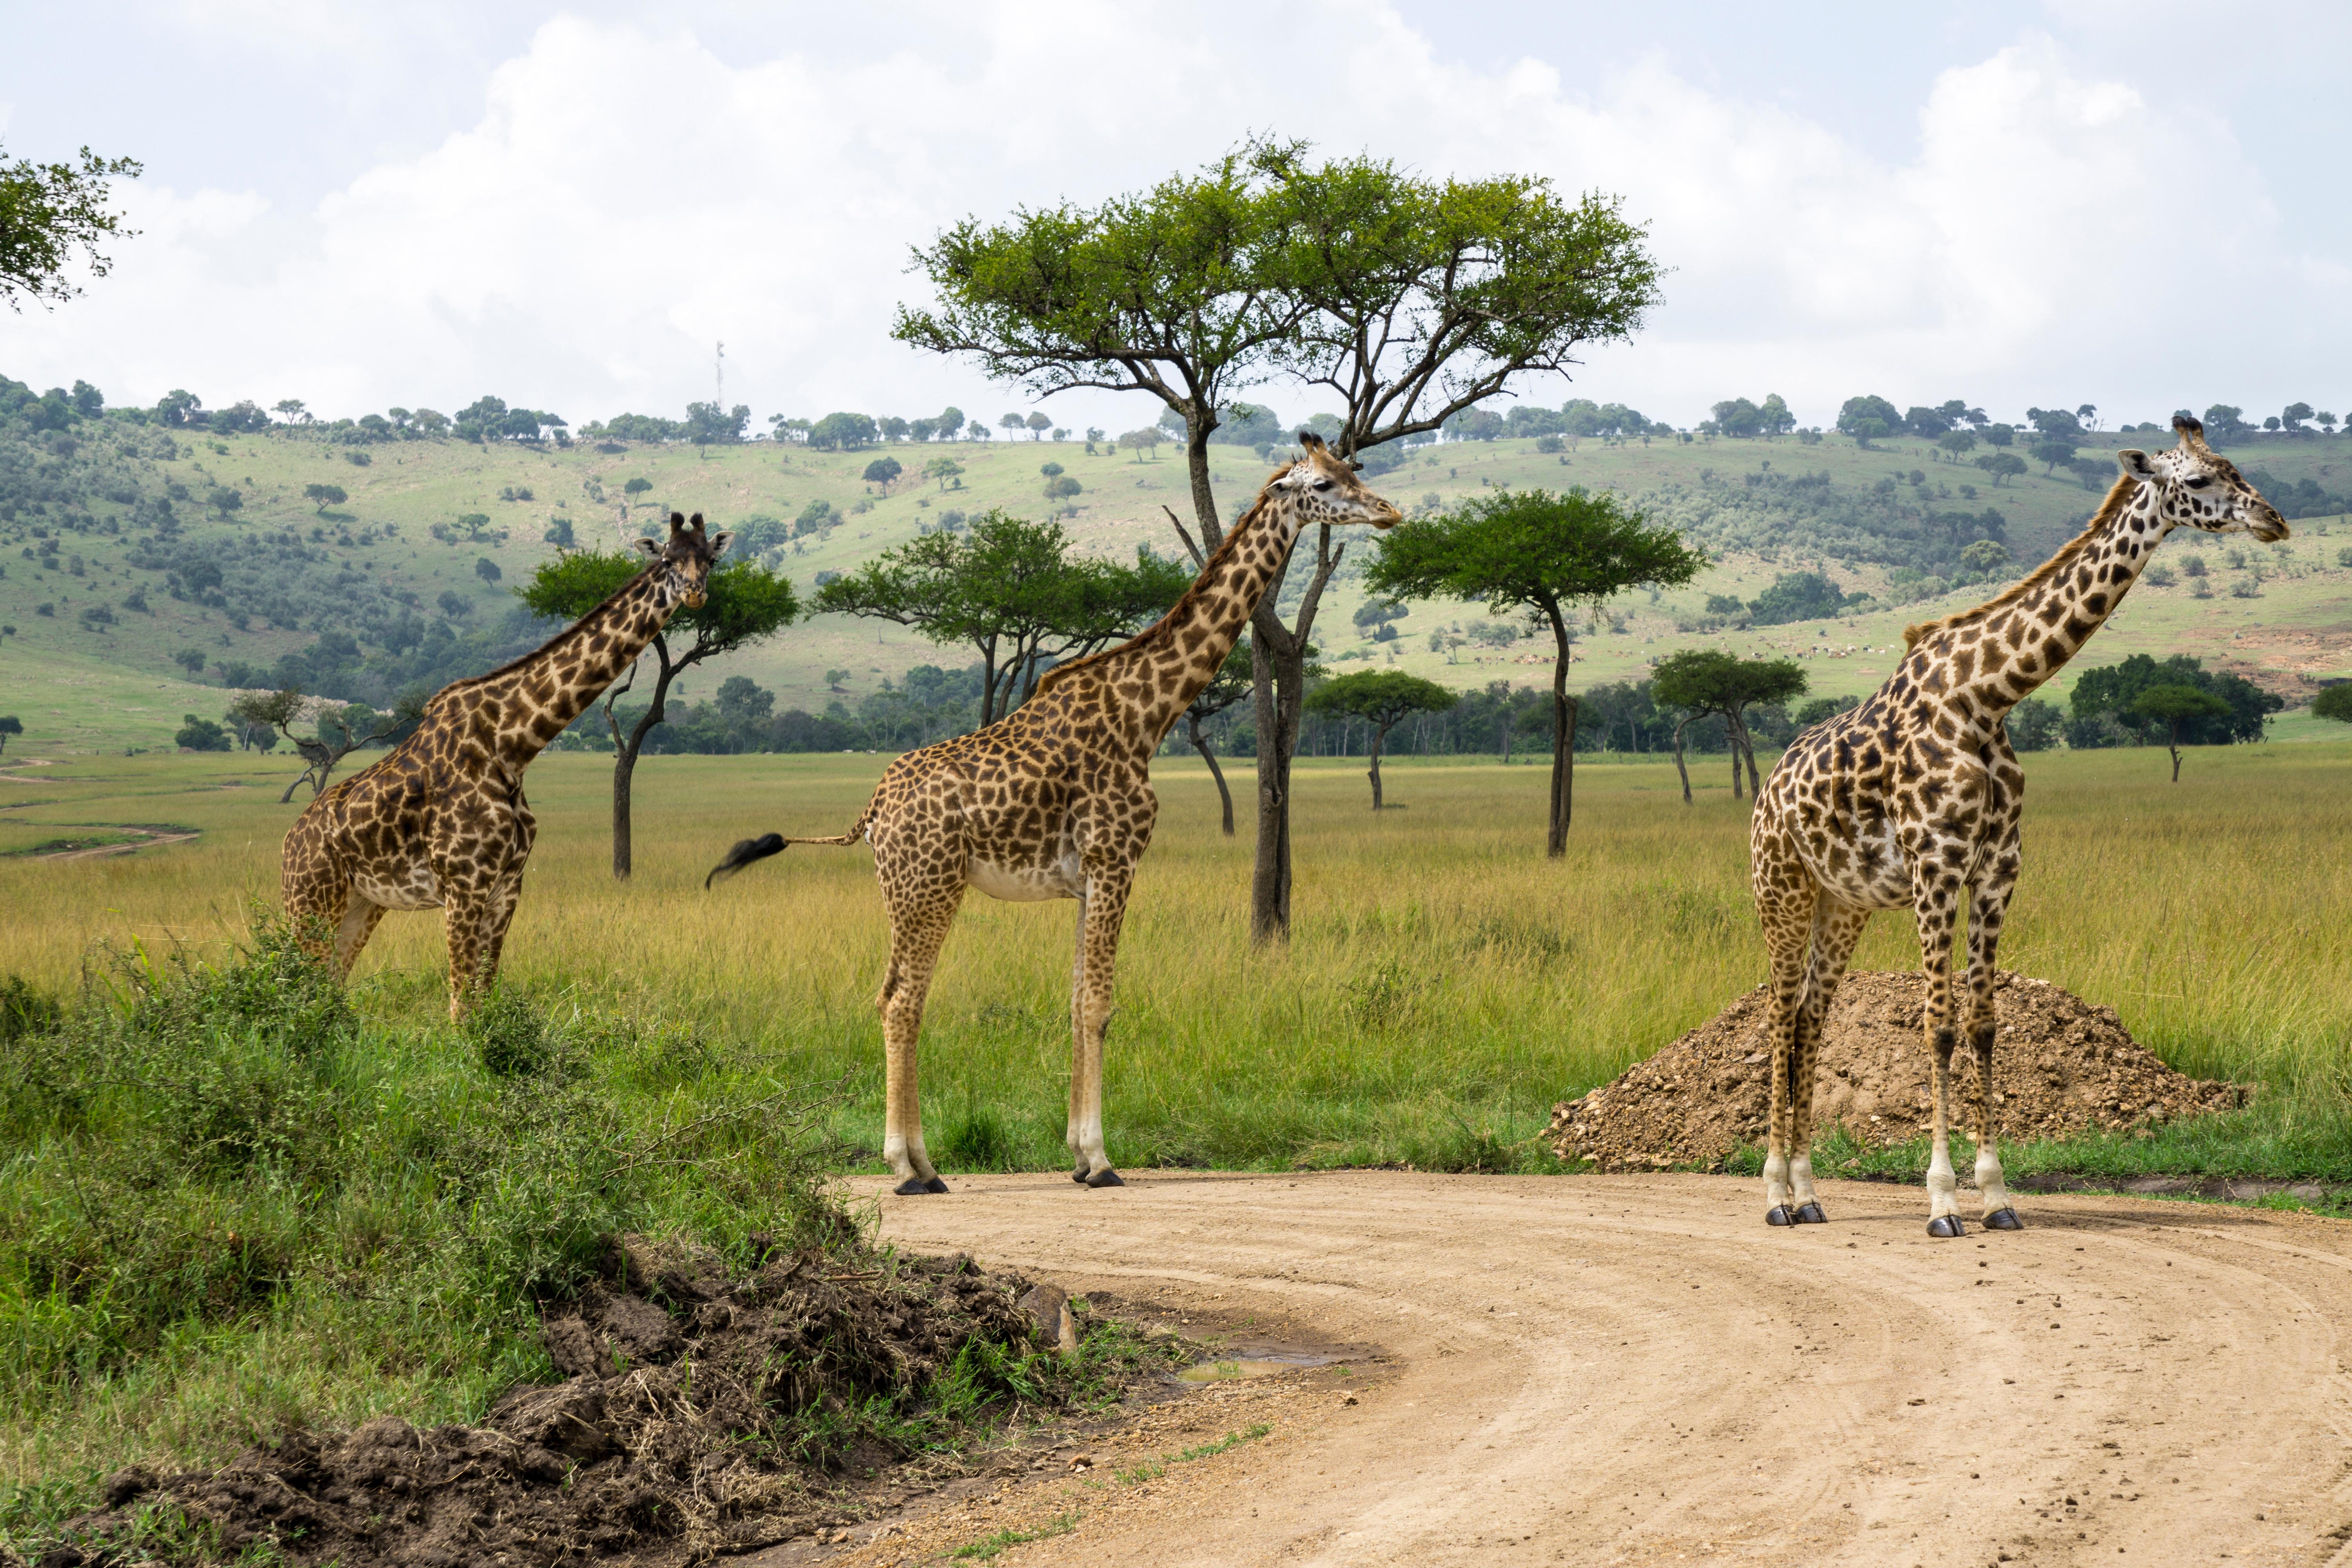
<point>537,696</point>
<point>1160,673</point>
<point>2027,636</point>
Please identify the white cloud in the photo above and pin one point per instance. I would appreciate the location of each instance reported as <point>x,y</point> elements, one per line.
<point>626,197</point>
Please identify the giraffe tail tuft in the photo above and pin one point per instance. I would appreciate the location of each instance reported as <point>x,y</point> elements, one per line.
<point>745,851</point>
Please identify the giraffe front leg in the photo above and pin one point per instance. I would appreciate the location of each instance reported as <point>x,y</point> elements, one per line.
<point>359,923</point>
<point>1985,915</point>
<point>1784,903</point>
<point>1105,909</point>
<point>465,920</point>
<point>1936,907</point>
<point>1081,1167</point>
<point>917,934</point>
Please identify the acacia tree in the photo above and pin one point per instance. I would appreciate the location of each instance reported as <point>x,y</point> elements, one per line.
<point>1257,266</point>
<point>1703,681</point>
<point>358,724</point>
<point>2174,707</point>
<point>12,725</point>
<point>742,604</point>
<point>1011,589</point>
<point>1383,699</point>
<point>1544,557</point>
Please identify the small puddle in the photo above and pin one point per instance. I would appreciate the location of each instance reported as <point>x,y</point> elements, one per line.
<point>1227,1368</point>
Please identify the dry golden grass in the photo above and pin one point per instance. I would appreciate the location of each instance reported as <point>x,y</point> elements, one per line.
<point>1446,981</point>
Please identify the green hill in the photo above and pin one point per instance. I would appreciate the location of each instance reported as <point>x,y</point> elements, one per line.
<point>123,545</point>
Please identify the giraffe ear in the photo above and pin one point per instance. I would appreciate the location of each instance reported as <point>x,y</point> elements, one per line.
<point>718,543</point>
<point>651,548</point>
<point>2136,463</point>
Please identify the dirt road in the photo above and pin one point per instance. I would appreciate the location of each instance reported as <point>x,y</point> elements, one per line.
<point>1636,1369</point>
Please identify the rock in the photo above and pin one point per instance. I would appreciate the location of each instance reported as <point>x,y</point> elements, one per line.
<point>1048,1310</point>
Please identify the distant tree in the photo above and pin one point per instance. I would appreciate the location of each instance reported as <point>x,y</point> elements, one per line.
<point>1738,418</point>
<point>950,421</point>
<point>2089,416</point>
<point>222,500</point>
<point>177,408</point>
<point>2034,725</point>
<point>2175,707</point>
<point>12,725</point>
<point>1544,557</point>
<point>1143,438</point>
<point>340,731</point>
<point>1011,591</point>
<point>833,679</point>
<point>942,469</point>
<point>2224,422</point>
<point>2002,466</point>
<point>1868,419</point>
<point>707,426</point>
<point>454,606</point>
<point>2326,421</point>
<point>2334,702</point>
<point>882,471</point>
<point>922,430</point>
<point>842,432</point>
<point>2292,418</point>
<point>1062,487</point>
<point>1012,423</point>
<point>1984,558</point>
<point>1797,596</point>
<point>559,533</point>
<point>191,660</point>
<point>1927,422</point>
<point>742,604</point>
<point>975,431</point>
<point>325,496</point>
<point>1772,416</point>
<point>48,211</point>
<point>1039,423</point>
<point>292,410</point>
<point>1704,681</point>
<point>1383,699</point>
<point>894,428</point>
<point>1998,435</point>
<point>1958,443</point>
<point>487,569</point>
<point>200,735</point>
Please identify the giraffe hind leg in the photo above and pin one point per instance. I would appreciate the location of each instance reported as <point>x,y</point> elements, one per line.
<point>1985,914</point>
<point>919,929</point>
<point>1785,894</point>
<point>1837,928</point>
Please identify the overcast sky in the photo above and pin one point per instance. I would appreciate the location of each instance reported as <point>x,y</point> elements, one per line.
<point>2139,207</point>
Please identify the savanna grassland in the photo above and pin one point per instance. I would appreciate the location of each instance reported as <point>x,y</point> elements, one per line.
<point>112,684</point>
<point>235,1203</point>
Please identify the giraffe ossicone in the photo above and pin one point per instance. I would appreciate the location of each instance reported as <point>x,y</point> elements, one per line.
<point>1912,801</point>
<point>1054,801</point>
<point>440,821</point>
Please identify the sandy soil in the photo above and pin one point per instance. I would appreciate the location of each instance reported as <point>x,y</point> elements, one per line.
<point>1636,1369</point>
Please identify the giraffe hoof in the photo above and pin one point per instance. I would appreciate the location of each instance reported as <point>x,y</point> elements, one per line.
<point>2003,1219</point>
<point>935,1185</point>
<point>1811,1215</point>
<point>1778,1214</point>
<point>1079,1175</point>
<point>1944,1226</point>
<point>1105,1177</point>
<point>916,1186</point>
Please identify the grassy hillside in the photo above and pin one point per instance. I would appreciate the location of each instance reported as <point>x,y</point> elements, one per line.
<point>90,542</point>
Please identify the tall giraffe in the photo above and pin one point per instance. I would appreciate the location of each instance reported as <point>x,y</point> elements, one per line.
<point>441,819</point>
<point>1912,801</point>
<point>1054,802</point>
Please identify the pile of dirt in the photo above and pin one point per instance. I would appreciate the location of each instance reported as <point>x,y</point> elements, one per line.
<point>671,1442</point>
<point>2062,1066</point>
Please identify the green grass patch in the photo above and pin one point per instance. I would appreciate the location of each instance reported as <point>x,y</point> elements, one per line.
<point>988,1546</point>
<point>1152,1469</point>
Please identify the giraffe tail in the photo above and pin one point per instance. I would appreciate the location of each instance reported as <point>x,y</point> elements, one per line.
<point>749,849</point>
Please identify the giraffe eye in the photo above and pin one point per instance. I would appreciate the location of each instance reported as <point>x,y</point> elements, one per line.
<point>2197,481</point>
<point>1322,484</point>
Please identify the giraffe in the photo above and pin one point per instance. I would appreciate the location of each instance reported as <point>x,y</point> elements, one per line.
<point>1054,802</point>
<point>1912,801</point>
<point>441,819</point>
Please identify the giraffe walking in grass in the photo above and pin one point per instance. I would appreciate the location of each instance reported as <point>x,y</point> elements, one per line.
<point>441,822</point>
<point>1055,802</point>
<point>1912,801</point>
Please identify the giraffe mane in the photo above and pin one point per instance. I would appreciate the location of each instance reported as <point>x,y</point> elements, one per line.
<point>2120,496</point>
<point>1159,631</point>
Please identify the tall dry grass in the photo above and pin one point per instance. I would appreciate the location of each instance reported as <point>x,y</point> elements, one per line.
<point>1445,985</point>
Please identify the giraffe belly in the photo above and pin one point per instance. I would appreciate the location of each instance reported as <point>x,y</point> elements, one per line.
<point>419,888</point>
<point>1063,879</point>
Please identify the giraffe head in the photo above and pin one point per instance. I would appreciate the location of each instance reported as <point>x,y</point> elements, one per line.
<point>2196,486</point>
<point>1323,488</point>
<point>687,555</point>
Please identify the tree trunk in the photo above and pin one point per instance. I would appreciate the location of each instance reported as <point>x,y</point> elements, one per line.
<point>1747,747</point>
<point>1679,767</point>
<point>1270,877</point>
<point>626,750</point>
<point>1563,742</point>
<point>1201,744</point>
<point>1379,735</point>
<point>2173,745</point>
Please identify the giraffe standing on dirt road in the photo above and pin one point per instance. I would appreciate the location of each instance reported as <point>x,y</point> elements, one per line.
<point>1912,801</point>
<point>1055,802</point>
<point>441,820</point>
